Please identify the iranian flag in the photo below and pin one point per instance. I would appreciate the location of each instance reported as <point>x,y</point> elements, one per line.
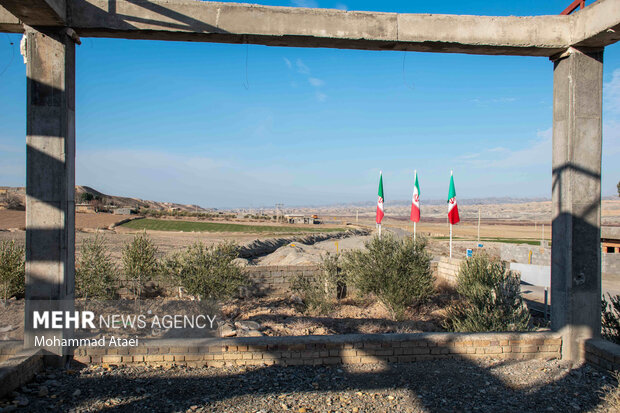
<point>380,200</point>
<point>453,209</point>
<point>415,201</point>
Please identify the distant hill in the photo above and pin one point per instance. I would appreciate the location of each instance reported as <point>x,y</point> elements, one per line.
<point>15,198</point>
<point>121,201</point>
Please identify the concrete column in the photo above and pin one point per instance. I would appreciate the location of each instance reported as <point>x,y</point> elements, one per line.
<point>50,177</point>
<point>576,251</point>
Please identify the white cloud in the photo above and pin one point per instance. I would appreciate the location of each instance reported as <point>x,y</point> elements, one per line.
<point>13,171</point>
<point>469,156</point>
<point>305,3</point>
<point>611,133</point>
<point>12,164</point>
<point>536,152</point>
<point>12,148</point>
<point>208,181</point>
<point>485,102</point>
<point>288,63</point>
<point>302,68</point>
<point>315,82</point>
<point>161,176</point>
<point>503,100</point>
<point>611,94</point>
<point>611,138</point>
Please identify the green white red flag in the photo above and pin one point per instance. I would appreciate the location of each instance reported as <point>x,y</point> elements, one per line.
<point>380,213</point>
<point>415,201</point>
<point>453,210</point>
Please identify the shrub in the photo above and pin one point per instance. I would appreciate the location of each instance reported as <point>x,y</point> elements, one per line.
<point>140,263</point>
<point>397,272</point>
<point>86,197</point>
<point>320,294</point>
<point>207,272</point>
<point>14,202</point>
<point>94,271</point>
<point>491,298</point>
<point>610,323</point>
<point>12,270</point>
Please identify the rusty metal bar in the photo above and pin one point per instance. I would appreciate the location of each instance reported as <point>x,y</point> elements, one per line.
<point>574,6</point>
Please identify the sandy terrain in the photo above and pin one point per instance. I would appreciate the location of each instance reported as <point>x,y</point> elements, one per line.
<point>539,211</point>
<point>278,315</point>
<point>520,213</point>
<point>12,219</point>
<point>470,229</point>
<point>17,220</point>
<point>479,385</point>
<point>166,242</point>
<point>517,220</point>
<point>297,253</point>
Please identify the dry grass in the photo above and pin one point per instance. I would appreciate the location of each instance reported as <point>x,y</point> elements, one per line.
<point>611,395</point>
<point>281,315</point>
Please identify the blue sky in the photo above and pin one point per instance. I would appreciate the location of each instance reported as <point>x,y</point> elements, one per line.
<point>248,126</point>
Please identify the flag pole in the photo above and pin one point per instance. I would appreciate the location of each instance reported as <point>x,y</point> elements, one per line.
<point>380,181</point>
<point>450,223</point>
<point>450,240</point>
<point>415,177</point>
<point>478,225</point>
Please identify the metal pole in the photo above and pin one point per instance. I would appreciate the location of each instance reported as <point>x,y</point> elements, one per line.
<point>414,231</point>
<point>546,301</point>
<point>478,225</point>
<point>450,240</point>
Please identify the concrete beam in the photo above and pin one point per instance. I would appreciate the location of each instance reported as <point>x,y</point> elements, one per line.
<point>9,23</point>
<point>598,25</point>
<point>50,177</point>
<point>188,20</point>
<point>576,198</point>
<point>38,12</point>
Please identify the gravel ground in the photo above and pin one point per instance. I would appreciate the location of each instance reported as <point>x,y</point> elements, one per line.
<point>429,386</point>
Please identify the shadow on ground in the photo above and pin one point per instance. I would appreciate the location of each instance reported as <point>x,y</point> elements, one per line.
<point>431,386</point>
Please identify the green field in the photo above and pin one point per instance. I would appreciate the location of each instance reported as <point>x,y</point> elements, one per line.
<point>192,226</point>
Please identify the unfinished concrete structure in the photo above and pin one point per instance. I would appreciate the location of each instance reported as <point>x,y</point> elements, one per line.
<point>574,43</point>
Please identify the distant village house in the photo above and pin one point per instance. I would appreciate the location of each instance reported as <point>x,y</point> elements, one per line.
<point>301,219</point>
<point>85,208</point>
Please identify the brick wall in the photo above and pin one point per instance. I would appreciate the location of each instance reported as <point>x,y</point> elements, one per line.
<point>542,256</point>
<point>520,253</point>
<point>603,354</point>
<point>448,269</point>
<point>9,348</point>
<point>20,369</point>
<point>277,278</point>
<point>610,264</point>
<point>264,279</point>
<point>323,350</point>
